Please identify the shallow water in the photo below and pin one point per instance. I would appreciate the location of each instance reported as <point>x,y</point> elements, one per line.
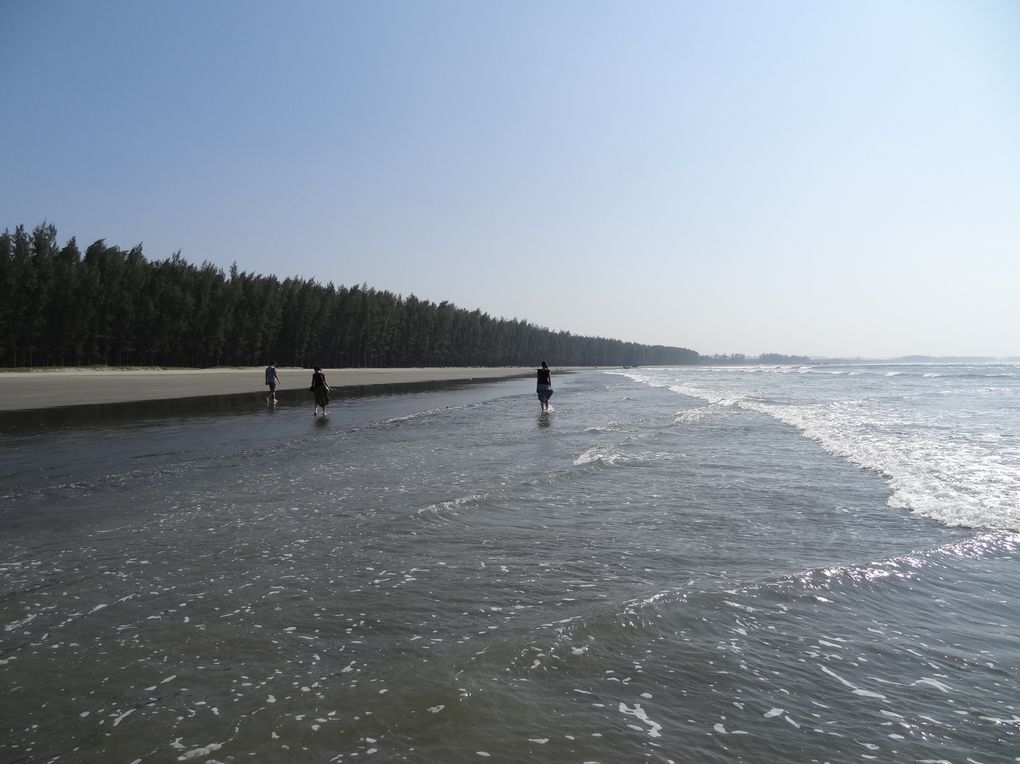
<point>447,575</point>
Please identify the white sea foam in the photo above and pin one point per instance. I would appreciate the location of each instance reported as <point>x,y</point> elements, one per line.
<point>196,753</point>
<point>949,452</point>
<point>608,427</point>
<point>123,716</point>
<point>940,686</point>
<point>692,416</point>
<point>639,713</point>
<point>416,415</point>
<point>909,565</point>
<point>598,455</point>
<point>453,504</point>
<point>854,688</point>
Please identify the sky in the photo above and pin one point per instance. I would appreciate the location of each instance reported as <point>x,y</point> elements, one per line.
<point>817,178</point>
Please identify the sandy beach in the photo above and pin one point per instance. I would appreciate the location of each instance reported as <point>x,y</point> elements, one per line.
<point>21,391</point>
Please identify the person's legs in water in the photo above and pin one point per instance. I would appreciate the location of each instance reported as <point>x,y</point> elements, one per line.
<point>543,398</point>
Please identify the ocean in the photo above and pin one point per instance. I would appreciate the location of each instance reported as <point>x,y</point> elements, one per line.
<point>696,564</point>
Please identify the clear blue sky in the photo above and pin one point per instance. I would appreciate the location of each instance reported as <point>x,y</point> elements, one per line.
<point>829,178</point>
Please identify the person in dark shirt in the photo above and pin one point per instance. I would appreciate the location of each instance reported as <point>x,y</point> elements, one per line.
<point>321,390</point>
<point>272,380</point>
<point>545,390</point>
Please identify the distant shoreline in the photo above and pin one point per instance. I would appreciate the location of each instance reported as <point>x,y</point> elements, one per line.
<point>21,391</point>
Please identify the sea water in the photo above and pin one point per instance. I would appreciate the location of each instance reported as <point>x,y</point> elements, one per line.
<point>753,564</point>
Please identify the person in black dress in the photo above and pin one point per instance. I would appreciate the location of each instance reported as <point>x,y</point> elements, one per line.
<point>545,390</point>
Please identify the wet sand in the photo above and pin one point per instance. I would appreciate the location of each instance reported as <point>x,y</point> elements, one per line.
<point>20,391</point>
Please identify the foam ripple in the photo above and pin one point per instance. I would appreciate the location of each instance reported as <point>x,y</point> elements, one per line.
<point>951,461</point>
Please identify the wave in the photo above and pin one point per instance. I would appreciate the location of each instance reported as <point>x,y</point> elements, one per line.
<point>934,470</point>
<point>609,427</point>
<point>810,585</point>
<point>906,371</point>
<point>725,615</point>
<point>453,505</point>
<point>692,416</point>
<point>418,415</point>
<point>983,546</point>
<point>958,484</point>
<point>598,455</point>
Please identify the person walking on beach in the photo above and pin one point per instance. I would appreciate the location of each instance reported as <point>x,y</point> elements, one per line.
<point>321,390</point>
<point>545,390</point>
<point>272,380</point>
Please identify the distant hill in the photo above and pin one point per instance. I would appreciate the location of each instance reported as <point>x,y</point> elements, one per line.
<point>739,359</point>
<point>947,359</point>
<point>922,359</point>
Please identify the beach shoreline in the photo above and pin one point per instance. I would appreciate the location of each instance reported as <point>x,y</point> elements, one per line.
<point>28,390</point>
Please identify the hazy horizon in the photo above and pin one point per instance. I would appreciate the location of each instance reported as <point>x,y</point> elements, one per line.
<point>827,180</point>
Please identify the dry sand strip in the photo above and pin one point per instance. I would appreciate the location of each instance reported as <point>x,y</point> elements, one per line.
<point>23,390</point>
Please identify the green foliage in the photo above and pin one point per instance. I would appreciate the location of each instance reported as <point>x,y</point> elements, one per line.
<point>113,307</point>
<point>780,358</point>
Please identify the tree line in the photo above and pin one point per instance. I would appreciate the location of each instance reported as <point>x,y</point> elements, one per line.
<point>60,306</point>
<point>739,359</point>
